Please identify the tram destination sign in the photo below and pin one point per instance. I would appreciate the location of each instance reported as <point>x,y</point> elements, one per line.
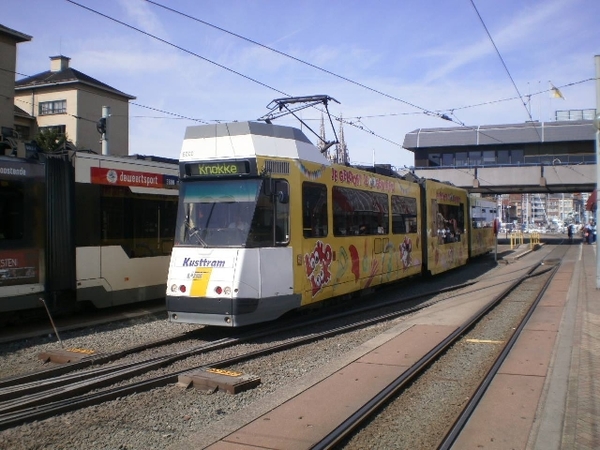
<point>217,168</point>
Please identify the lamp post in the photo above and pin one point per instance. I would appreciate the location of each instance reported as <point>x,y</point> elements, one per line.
<point>597,123</point>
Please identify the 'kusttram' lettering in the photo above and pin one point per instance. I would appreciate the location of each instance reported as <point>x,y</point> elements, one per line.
<point>189,262</point>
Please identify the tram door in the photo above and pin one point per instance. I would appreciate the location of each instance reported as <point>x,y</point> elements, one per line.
<point>60,246</point>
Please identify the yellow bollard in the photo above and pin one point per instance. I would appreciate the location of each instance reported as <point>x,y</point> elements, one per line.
<point>516,239</point>
<point>534,239</point>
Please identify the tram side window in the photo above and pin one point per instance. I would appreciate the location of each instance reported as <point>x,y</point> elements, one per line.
<point>87,217</point>
<point>314,210</point>
<point>483,216</point>
<point>359,212</point>
<point>144,225</point>
<point>22,213</point>
<point>449,222</point>
<point>12,205</point>
<point>153,225</point>
<point>404,215</point>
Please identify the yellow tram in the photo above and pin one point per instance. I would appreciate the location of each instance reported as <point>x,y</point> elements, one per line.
<point>267,224</point>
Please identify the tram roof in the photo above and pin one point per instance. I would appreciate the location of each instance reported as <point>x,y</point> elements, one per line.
<point>243,128</point>
<point>244,139</point>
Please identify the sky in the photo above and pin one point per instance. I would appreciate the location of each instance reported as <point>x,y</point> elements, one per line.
<point>393,65</point>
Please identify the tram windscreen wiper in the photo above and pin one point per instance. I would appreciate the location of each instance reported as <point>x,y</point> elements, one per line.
<point>194,232</point>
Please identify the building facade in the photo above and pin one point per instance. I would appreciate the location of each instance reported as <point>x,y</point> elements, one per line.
<point>530,143</point>
<point>71,102</point>
<point>9,138</point>
<point>523,166</point>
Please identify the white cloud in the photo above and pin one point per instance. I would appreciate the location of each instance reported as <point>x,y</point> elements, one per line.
<point>530,23</point>
<point>143,17</point>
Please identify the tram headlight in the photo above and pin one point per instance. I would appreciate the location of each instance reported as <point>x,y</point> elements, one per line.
<point>173,288</point>
<point>227,290</point>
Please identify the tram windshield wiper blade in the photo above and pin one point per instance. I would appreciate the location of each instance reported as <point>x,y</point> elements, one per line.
<point>195,233</point>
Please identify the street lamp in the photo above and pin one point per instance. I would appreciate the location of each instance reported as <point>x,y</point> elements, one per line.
<point>597,124</point>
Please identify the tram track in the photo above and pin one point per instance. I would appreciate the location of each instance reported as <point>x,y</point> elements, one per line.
<point>213,336</point>
<point>168,413</point>
<point>38,400</point>
<point>353,432</point>
<point>460,422</point>
<point>209,335</point>
<point>35,400</point>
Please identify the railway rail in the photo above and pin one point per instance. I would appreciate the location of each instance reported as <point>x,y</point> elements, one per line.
<point>54,391</point>
<point>412,292</point>
<point>344,436</point>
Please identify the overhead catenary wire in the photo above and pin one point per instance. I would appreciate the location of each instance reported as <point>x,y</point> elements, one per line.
<point>505,66</point>
<point>164,41</point>
<point>368,116</point>
<point>199,56</point>
<point>426,111</point>
<point>176,115</point>
<point>314,66</point>
<point>349,122</point>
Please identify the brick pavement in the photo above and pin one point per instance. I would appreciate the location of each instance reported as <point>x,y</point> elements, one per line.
<point>568,417</point>
<point>581,428</point>
<point>563,384</point>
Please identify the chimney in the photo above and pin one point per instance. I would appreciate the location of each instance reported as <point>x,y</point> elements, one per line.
<point>58,63</point>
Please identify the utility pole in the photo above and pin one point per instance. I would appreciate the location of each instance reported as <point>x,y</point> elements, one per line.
<point>597,123</point>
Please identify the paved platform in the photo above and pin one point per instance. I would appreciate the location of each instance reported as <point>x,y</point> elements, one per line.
<point>547,395</point>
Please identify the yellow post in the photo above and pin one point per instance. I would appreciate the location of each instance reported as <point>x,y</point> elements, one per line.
<point>516,239</point>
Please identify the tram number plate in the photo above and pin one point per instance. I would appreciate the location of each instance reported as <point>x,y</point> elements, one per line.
<point>229,373</point>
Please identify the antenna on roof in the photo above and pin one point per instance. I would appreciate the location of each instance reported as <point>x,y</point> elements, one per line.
<point>281,107</point>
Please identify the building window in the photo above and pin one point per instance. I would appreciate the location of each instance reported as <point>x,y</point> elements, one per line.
<point>503,157</point>
<point>434,160</point>
<point>475,158</point>
<point>448,159</point>
<point>489,157</point>
<point>462,159</point>
<point>54,107</point>
<point>23,132</point>
<point>517,157</point>
<point>59,129</point>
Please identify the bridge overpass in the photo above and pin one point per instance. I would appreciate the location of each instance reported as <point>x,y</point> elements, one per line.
<point>530,157</point>
<point>533,179</point>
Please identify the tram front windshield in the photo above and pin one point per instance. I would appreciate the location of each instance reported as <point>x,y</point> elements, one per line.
<point>224,213</point>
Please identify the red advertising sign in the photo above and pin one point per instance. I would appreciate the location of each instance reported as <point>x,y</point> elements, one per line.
<point>19,267</point>
<point>117,177</point>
